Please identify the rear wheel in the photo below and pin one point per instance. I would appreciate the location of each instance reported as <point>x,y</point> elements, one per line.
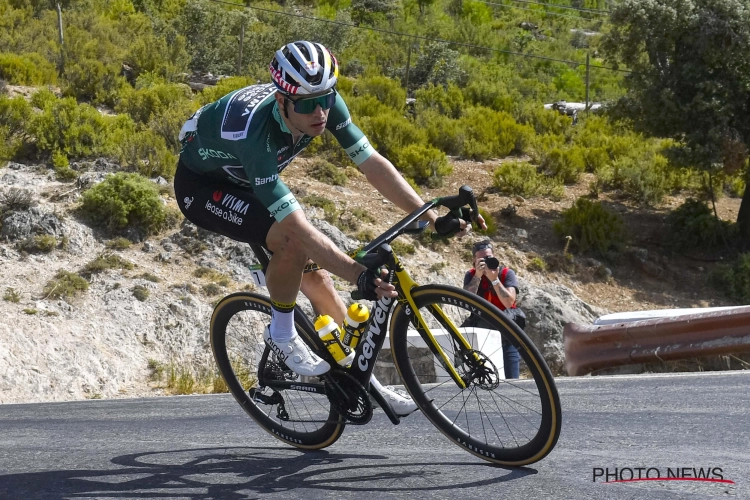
<point>505,421</point>
<point>302,419</point>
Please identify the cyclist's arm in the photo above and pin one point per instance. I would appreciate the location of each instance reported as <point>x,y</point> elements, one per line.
<point>297,230</point>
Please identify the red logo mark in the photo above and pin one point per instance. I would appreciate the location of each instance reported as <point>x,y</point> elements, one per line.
<point>217,195</point>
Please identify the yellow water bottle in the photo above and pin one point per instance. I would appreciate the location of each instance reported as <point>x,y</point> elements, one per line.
<point>354,324</point>
<point>328,331</point>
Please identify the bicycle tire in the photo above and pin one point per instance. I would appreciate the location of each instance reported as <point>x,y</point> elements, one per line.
<point>238,320</point>
<point>463,417</point>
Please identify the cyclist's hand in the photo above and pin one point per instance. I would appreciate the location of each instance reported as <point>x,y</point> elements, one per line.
<point>371,287</point>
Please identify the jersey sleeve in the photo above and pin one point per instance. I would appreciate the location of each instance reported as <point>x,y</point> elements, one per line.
<point>351,138</point>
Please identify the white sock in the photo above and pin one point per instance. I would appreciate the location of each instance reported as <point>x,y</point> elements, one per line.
<point>376,383</point>
<point>282,325</point>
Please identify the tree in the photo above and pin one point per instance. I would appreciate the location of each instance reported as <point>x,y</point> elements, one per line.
<point>690,80</point>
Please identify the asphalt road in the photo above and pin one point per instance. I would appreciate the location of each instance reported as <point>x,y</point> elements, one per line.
<point>205,447</point>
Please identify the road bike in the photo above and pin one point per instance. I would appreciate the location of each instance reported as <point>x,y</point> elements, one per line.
<point>454,374</point>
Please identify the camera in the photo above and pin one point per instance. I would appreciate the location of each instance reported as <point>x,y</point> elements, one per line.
<point>491,262</point>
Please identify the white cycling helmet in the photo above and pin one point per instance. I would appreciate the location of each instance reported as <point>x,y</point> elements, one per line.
<point>304,68</point>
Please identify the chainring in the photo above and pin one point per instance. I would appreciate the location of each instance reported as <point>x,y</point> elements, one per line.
<point>348,397</point>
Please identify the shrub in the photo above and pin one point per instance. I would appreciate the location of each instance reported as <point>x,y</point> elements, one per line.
<point>212,275</point>
<point>537,264</point>
<point>65,284</point>
<point>424,164</point>
<point>211,289</point>
<point>442,132</point>
<point>593,228</point>
<point>446,102</point>
<point>106,261</point>
<point>147,153</point>
<point>327,172</point>
<point>12,295</point>
<point>17,199</point>
<point>734,279</point>
<point>565,164</point>
<point>401,248</point>
<point>386,90</point>
<point>118,244</point>
<point>43,243</point>
<point>141,293</point>
<point>149,277</point>
<point>390,132</point>
<point>492,134</point>
<point>123,201</point>
<point>521,178</point>
<point>693,225</point>
<point>27,69</point>
<point>153,100</point>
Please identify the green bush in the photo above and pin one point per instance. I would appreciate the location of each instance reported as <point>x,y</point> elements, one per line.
<point>389,132</point>
<point>446,102</point>
<point>521,178</point>
<point>492,134</point>
<point>594,229</point>
<point>65,284</point>
<point>106,261</point>
<point>151,101</point>
<point>75,130</point>
<point>27,69</point>
<point>147,153</point>
<point>424,164</point>
<point>327,172</point>
<point>123,201</point>
<point>442,132</point>
<point>14,118</point>
<point>141,293</point>
<point>385,90</point>
<point>118,243</point>
<point>565,164</point>
<point>12,295</point>
<point>734,279</point>
<point>43,243</point>
<point>693,225</point>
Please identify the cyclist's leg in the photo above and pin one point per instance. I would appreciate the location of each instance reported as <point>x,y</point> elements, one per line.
<point>318,288</point>
<point>238,214</point>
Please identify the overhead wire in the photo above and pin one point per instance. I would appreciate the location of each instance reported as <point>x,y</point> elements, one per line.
<point>417,37</point>
<point>543,12</point>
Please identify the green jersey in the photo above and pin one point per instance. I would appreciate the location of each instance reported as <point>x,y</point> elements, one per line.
<point>242,138</point>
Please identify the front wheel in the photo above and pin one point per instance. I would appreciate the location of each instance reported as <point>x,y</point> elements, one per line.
<point>302,419</point>
<point>505,421</point>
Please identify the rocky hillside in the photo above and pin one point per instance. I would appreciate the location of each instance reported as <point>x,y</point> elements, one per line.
<point>151,309</point>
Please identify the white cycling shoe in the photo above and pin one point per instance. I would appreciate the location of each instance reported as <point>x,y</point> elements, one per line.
<point>400,401</point>
<point>297,356</point>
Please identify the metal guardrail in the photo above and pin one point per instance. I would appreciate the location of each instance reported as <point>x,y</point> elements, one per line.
<point>590,348</point>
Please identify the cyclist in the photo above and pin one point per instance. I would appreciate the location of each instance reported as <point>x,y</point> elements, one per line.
<point>227,181</point>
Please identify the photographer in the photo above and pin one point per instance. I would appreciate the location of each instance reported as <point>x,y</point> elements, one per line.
<point>498,285</point>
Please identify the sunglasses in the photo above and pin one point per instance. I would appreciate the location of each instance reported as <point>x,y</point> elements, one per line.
<point>307,105</point>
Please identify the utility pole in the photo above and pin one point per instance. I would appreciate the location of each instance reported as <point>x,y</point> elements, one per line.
<point>242,43</point>
<point>408,63</point>
<point>62,48</point>
<point>588,73</point>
